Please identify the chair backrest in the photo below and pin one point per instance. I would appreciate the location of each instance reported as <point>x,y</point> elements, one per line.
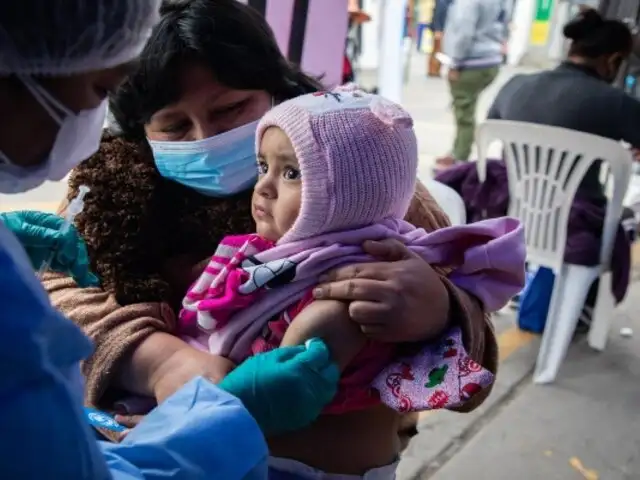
<point>448,199</point>
<point>545,166</point>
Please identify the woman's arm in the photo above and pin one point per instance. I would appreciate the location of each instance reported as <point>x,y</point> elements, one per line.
<point>425,300</point>
<point>135,349</point>
<point>162,363</point>
<point>465,310</point>
<point>116,331</point>
<point>478,336</point>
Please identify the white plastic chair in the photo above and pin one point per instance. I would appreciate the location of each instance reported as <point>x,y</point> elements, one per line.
<point>545,166</point>
<point>448,199</point>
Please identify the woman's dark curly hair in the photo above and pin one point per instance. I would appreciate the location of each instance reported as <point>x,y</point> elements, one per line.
<point>134,220</point>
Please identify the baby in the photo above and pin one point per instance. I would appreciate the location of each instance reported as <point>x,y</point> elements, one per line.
<point>335,169</point>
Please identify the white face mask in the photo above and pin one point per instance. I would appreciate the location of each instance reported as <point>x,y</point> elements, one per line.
<point>78,138</point>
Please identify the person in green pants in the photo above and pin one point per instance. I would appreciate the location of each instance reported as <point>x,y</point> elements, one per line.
<point>466,86</point>
<point>474,37</point>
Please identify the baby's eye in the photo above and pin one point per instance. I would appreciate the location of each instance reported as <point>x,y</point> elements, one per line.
<point>262,167</point>
<point>291,173</point>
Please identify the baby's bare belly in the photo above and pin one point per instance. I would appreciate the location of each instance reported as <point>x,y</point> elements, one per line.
<point>349,444</point>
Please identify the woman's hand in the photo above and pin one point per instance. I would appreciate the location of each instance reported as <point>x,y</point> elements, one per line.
<point>185,364</point>
<point>41,236</point>
<point>399,299</point>
<point>287,388</point>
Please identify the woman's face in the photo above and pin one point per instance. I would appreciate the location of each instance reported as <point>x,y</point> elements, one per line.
<point>206,108</point>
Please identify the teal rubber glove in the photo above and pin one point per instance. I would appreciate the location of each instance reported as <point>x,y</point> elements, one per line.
<point>40,235</point>
<point>287,388</point>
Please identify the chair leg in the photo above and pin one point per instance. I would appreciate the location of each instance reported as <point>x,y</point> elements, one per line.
<point>569,294</point>
<point>602,314</point>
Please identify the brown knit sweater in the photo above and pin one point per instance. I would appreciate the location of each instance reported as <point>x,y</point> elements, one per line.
<point>116,331</point>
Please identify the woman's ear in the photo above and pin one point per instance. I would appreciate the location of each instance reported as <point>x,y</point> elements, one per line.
<point>614,63</point>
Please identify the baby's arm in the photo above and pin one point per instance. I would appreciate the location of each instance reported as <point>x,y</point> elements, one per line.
<point>330,321</point>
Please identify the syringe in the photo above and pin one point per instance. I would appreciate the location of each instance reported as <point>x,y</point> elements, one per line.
<point>73,209</point>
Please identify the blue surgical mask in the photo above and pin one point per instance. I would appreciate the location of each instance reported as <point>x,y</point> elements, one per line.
<point>217,166</point>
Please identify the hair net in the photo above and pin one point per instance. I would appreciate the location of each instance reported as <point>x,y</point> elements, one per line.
<point>62,37</point>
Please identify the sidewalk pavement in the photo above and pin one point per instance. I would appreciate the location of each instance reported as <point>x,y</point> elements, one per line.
<point>585,426</point>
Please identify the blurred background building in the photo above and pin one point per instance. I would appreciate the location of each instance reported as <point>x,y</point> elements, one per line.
<point>536,27</point>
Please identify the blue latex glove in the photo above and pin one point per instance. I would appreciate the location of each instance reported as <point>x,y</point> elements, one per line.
<point>40,235</point>
<point>287,388</point>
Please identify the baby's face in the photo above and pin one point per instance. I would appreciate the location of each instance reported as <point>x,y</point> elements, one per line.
<point>276,197</point>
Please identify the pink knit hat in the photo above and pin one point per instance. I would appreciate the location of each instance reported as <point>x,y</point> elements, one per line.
<point>358,158</point>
